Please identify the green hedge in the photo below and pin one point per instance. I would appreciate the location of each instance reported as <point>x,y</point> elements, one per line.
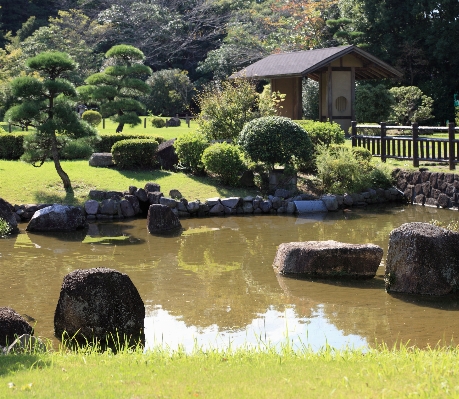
<point>108,140</point>
<point>12,145</point>
<point>323,133</point>
<point>135,153</point>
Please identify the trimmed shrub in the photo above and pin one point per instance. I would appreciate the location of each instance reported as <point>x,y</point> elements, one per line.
<point>76,149</point>
<point>275,140</point>
<point>324,133</point>
<point>342,169</point>
<point>135,153</point>
<point>339,170</point>
<point>189,148</point>
<point>107,140</point>
<point>158,122</point>
<point>360,153</point>
<point>92,117</point>
<point>225,160</point>
<point>12,145</point>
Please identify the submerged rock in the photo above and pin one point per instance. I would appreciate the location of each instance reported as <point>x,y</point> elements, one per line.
<point>422,259</point>
<point>328,259</point>
<point>161,219</point>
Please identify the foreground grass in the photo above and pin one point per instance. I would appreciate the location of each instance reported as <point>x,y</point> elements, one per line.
<point>388,373</point>
<point>21,183</point>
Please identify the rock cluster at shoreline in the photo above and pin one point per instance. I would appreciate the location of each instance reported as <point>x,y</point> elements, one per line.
<point>109,205</point>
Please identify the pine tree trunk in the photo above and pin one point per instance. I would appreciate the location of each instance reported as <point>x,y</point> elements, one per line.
<point>120,127</point>
<point>57,164</point>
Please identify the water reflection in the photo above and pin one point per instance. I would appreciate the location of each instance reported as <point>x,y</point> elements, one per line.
<point>214,282</point>
<point>271,329</point>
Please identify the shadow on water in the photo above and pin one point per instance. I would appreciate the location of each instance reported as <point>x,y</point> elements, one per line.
<point>447,302</point>
<point>95,233</point>
<point>376,283</point>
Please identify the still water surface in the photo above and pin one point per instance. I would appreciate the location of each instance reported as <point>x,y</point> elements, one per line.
<point>213,285</point>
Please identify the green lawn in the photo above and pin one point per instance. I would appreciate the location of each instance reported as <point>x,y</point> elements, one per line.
<point>110,127</point>
<point>21,183</point>
<point>381,373</point>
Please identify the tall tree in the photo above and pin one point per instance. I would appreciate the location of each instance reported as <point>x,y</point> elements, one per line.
<point>417,37</point>
<point>74,33</point>
<point>14,13</point>
<point>44,104</point>
<point>117,86</point>
<point>176,33</point>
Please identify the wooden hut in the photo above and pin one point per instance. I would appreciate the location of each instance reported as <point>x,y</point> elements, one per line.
<point>335,68</point>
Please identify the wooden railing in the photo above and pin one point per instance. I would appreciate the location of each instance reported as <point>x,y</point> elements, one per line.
<point>412,147</point>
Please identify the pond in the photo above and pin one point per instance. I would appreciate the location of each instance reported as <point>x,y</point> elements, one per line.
<point>213,285</point>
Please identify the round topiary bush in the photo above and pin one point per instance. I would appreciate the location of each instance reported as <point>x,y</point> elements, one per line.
<point>225,160</point>
<point>189,148</point>
<point>92,117</point>
<point>158,122</point>
<point>129,154</point>
<point>275,140</point>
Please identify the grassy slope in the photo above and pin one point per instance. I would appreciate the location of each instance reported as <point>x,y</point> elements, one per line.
<point>21,183</point>
<point>241,374</point>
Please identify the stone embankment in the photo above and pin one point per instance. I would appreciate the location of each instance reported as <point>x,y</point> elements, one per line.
<point>108,205</point>
<point>430,188</point>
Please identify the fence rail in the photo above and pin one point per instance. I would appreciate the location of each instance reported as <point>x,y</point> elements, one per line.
<point>411,147</point>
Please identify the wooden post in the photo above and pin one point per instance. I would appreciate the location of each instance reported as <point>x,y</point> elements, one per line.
<point>187,120</point>
<point>383,141</point>
<point>352,92</point>
<point>330,94</point>
<point>144,123</point>
<point>452,155</point>
<point>103,123</point>
<point>354,133</point>
<point>414,128</point>
<point>9,127</point>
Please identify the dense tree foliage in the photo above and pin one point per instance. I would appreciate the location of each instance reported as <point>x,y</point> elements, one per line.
<point>213,38</point>
<point>171,92</point>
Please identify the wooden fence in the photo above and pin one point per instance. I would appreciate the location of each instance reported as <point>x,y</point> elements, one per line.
<point>412,147</point>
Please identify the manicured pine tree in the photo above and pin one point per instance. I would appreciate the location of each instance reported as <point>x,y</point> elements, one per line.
<point>117,86</point>
<point>45,103</point>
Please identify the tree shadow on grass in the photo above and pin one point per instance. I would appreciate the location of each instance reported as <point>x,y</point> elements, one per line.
<point>144,174</point>
<point>42,197</point>
<point>11,364</point>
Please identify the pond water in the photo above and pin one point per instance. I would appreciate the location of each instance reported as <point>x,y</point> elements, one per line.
<point>213,285</point>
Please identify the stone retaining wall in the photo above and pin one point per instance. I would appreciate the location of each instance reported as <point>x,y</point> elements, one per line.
<point>108,205</point>
<point>430,188</point>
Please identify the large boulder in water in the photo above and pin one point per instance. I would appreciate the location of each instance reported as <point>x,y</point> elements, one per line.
<point>161,219</point>
<point>328,259</point>
<point>99,304</point>
<point>422,259</point>
<point>12,325</point>
<point>57,218</point>
<point>7,214</point>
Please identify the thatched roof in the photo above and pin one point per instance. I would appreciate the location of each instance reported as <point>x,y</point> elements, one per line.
<point>310,63</point>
